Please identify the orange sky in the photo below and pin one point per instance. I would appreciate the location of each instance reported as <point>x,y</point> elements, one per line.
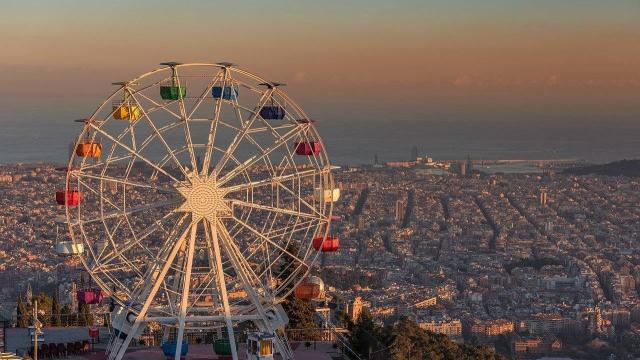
<point>567,55</point>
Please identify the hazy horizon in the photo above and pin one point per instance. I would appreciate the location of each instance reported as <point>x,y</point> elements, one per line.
<point>497,79</point>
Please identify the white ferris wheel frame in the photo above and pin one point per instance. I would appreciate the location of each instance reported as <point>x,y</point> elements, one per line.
<point>179,309</point>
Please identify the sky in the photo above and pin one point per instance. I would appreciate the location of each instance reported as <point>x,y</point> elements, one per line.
<point>395,63</point>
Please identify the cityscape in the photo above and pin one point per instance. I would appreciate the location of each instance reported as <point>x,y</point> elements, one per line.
<point>527,263</point>
<point>282,180</point>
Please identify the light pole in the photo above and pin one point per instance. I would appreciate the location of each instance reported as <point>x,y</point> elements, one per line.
<point>37,325</point>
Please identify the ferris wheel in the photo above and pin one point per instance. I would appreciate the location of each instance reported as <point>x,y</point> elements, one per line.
<point>202,196</point>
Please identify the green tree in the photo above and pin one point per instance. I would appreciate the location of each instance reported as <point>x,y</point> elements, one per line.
<point>86,317</point>
<point>300,313</point>
<point>66,315</point>
<point>56,317</point>
<point>409,341</point>
<point>366,334</point>
<point>23,314</point>
<point>45,303</point>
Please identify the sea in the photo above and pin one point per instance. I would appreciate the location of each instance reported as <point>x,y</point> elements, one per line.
<point>42,130</point>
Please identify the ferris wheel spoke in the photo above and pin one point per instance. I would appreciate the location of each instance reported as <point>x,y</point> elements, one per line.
<point>160,106</point>
<point>248,276</point>
<point>154,279</point>
<point>272,180</point>
<point>125,212</point>
<point>245,128</point>
<point>138,155</point>
<point>117,251</point>
<point>187,131</point>
<point>222,286</point>
<point>186,283</point>
<point>299,198</point>
<point>161,138</point>
<point>213,127</point>
<point>107,178</point>
<point>97,193</point>
<point>299,226</point>
<point>204,94</point>
<point>254,159</point>
<point>277,210</point>
<point>268,240</point>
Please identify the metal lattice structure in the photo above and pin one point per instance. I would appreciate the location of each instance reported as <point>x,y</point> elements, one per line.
<point>200,209</point>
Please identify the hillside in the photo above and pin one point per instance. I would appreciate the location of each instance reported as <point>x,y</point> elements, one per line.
<point>629,168</point>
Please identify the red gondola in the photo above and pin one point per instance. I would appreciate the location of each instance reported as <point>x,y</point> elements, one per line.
<point>89,296</point>
<point>308,148</point>
<point>328,244</point>
<point>68,197</point>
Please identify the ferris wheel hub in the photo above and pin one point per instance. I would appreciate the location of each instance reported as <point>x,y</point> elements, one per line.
<point>203,198</point>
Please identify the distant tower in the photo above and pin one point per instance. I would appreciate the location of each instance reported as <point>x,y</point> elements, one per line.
<point>359,222</point>
<point>469,165</point>
<point>375,159</point>
<point>399,210</point>
<point>414,153</point>
<point>543,196</point>
<point>72,296</point>
<point>356,308</point>
<point>29,294</point>
<point>462,168</point>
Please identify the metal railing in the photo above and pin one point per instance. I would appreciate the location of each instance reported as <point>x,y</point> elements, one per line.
<point>65,320</point>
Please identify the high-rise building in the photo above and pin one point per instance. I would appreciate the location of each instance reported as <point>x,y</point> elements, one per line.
<point>356,308</point>
<point>400,205</point>
<point>469,165</point>
<point>543,196</point>
<point>414,153</point>
<point>462,168</point>
<point>360,222</point>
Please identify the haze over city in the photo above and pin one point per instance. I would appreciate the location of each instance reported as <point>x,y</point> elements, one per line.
<point>533,79</point>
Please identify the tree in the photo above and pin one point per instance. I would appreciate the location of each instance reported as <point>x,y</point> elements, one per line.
<point>300,313</point>
<point>56,316</point>
<point>85,315</point>
<point>45,303</point>
<point>409,341</point>
<point>65,314</point>
<point>23,314</point>
<point>365,335</point>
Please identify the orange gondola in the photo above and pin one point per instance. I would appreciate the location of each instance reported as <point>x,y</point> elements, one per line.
<point>312,287</point>
<point>89,149</point>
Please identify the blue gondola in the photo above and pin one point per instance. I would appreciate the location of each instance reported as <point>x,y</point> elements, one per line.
<point>169,349</point>
<point>226,92</point>
<point>272,112</point>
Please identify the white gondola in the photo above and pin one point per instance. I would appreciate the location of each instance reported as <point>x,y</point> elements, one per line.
<point>67,247</point>
<point>259,346</point>
<point>327,195</point>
